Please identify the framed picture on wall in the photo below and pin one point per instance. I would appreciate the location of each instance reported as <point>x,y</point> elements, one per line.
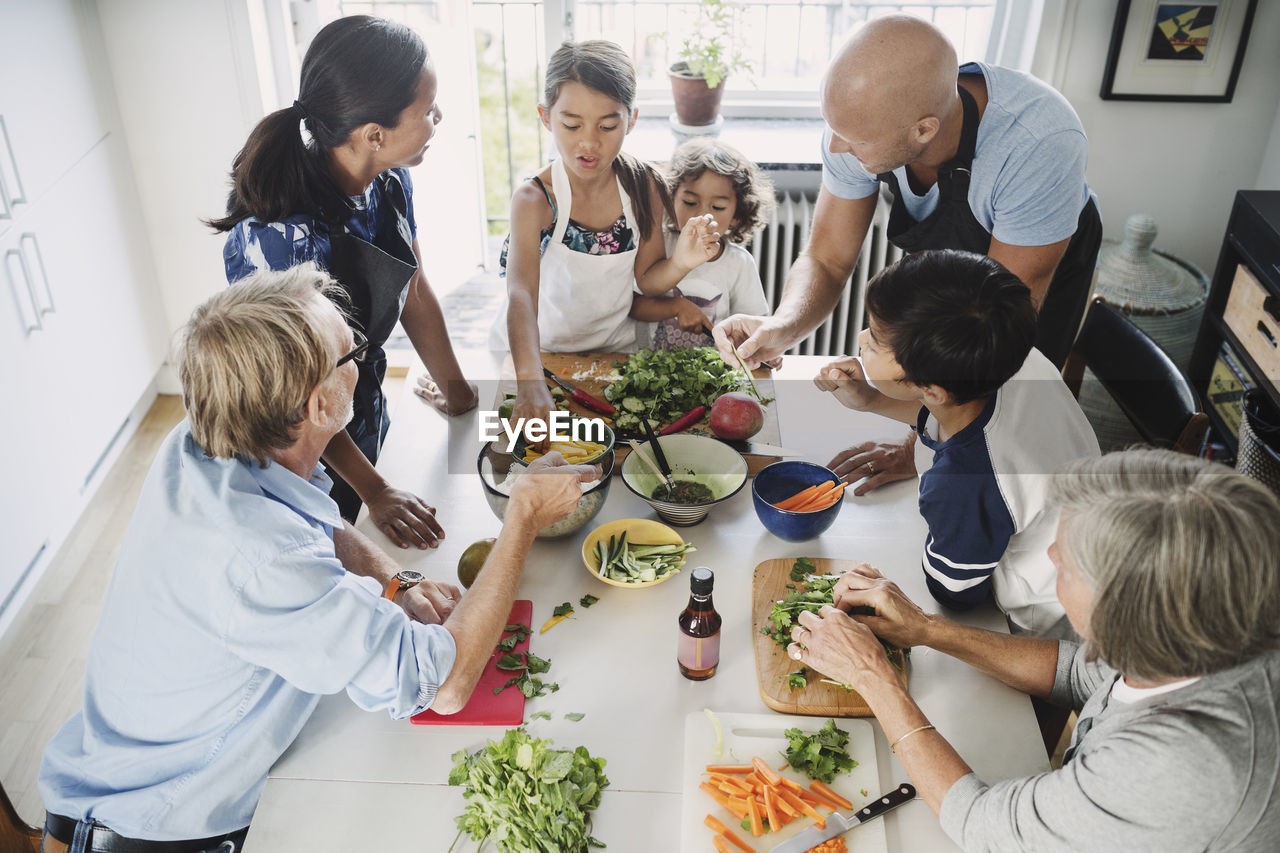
<point>1177,51</point>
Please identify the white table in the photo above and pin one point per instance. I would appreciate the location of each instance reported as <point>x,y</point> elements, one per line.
<point>356,780</point>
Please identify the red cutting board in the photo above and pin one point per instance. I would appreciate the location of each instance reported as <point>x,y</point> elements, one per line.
<point>485,708</point>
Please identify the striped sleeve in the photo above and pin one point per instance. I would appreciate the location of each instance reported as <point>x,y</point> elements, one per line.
<point>969,528</point>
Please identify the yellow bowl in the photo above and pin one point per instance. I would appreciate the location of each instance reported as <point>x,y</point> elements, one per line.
<point>644,530</point>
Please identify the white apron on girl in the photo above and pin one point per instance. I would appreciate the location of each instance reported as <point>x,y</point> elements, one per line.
<point>583,299</point>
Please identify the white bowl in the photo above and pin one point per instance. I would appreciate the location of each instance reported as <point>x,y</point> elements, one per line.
<point>692,457</point>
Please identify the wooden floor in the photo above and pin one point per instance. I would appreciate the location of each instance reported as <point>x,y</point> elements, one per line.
<point>42,655</point>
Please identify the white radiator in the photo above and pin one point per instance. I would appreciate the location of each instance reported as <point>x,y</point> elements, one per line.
<point>777,244</point>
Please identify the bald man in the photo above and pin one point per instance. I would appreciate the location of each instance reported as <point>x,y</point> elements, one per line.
<point>988,160</point>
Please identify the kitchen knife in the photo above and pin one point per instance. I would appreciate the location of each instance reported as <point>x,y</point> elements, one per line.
<point>760,449</point>
<point>839,824</point>
<point>582,398</point>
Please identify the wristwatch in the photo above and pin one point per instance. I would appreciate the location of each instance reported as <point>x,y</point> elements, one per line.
<point>401,581</point>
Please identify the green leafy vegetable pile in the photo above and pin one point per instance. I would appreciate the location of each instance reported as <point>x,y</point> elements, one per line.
<point>822,755</point>
<point>524,795</point>
<point>527,664</point>
<point>663,386</point>
<point>811,592</point>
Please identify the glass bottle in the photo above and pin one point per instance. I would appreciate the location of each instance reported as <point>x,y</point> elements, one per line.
<point>698,652</point>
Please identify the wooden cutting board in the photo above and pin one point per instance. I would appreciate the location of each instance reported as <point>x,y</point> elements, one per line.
<point>590,372</point>
<point>769,584</point>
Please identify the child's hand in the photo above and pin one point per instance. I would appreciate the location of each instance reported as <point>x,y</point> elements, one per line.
<point>846,381</point>
<point>533,402</point>
<point>690,317</point>
<point>699,242</point>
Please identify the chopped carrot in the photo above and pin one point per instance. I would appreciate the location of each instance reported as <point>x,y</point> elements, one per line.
<point>797,499</point>
<point>823,791</point>
<point>822,500</point>
<point>804,807</point>
<point>815,799</point>
<point>723,799</point>
<point>767,774</point>
<point>783,766</point>
<point>757,829</point>
<point>771,810</point>
<point>722,844</point>
<point>785,808</point>
<point>795,786</point>
<point>730,769</point>
<point>716,826</point>
<point>733,789</point>
<point>738,806</point>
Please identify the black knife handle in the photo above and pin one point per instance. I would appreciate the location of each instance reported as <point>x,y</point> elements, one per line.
<point>899,795</point>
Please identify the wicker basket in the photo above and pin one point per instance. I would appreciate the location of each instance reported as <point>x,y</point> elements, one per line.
<point>1255,458</point>
<point>1162,295</point>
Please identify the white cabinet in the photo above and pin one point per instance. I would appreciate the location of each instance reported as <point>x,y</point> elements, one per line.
<point>49,98</point>
<point>81,328</point>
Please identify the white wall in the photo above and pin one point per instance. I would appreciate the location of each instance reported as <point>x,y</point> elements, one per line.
<point>183,75</point>
<point>1269,173</point>
<point>1182,163</point>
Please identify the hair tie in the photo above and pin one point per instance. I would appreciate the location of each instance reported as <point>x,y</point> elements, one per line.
<point>301,110</point>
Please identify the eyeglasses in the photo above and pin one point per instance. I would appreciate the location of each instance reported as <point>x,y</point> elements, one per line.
<point>357,355</point>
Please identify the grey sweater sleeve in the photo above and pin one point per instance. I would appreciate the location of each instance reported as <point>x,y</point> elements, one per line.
<point>1145,787</point>
<point>1077,679</point>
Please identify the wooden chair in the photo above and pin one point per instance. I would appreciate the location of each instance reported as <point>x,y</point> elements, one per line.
<point>15,835</point>
<point>1151,391</point>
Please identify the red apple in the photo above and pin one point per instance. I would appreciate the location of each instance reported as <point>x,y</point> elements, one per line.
<point>736,416</point>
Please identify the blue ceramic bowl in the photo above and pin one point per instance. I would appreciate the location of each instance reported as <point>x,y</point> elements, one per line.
<point>780,481</point>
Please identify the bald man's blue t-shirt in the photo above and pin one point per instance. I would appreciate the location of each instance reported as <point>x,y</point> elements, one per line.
<point>1027,186</point>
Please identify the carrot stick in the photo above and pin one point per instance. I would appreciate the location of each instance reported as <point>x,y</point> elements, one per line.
<point>767,774</point>
<point>723,799</point>
<point>716,826</point>
<point>722,844</point>
<point>794,786</point>
<point>733,788</point>
<point>823,791</point>
<point>784,808</point>
<point>821,501</point>
<point>730,769</point>
<point>798,498</point>
<point>771,810</point>
<point>814,799</point>
<point>783,766</point>
<point>757,829</point>
<point>795,801</point>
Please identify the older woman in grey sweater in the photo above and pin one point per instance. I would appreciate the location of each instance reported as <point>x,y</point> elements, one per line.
<point>1169,568</point>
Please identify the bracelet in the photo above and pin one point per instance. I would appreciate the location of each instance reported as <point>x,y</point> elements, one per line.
<point>893,747</point>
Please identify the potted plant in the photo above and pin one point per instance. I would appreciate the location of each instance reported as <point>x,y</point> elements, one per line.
<point>708,54</point>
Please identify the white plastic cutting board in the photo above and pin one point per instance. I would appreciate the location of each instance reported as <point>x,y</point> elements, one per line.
<point>749,735</point>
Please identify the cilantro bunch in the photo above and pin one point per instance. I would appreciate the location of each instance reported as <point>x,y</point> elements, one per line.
<point>822,755</point>
<point>666,385</point>
<point>524,795</point>
<point>811,592</point>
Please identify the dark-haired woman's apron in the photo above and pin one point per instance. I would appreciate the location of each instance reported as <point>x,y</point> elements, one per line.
<point>952,225</point>
<point>376,278</point>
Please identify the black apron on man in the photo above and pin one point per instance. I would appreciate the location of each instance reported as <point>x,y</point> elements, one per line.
<point>952,225</point>
<point>376,278</point>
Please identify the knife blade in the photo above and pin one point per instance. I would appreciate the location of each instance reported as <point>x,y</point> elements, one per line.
<point>839,824</point>
<point>582,398</point>
<point>760,449</point>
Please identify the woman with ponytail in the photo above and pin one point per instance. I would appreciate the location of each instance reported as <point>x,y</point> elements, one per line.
<point>341,196</point>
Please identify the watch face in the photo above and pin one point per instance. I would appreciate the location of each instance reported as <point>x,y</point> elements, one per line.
<point>409,576</point>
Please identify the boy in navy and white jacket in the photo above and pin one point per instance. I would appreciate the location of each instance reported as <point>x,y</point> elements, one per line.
<point>949,351</point>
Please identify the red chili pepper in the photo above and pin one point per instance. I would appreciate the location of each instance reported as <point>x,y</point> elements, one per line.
<point>695,415</point>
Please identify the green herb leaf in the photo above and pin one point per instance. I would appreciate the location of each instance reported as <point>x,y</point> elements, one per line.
<point>587,600</point>
<point>574,716</point>
<point>562,609</point>
<point>820,755</point>
<point>540,715</point>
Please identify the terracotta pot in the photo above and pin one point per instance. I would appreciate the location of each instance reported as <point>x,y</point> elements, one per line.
<point>696,104</point>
